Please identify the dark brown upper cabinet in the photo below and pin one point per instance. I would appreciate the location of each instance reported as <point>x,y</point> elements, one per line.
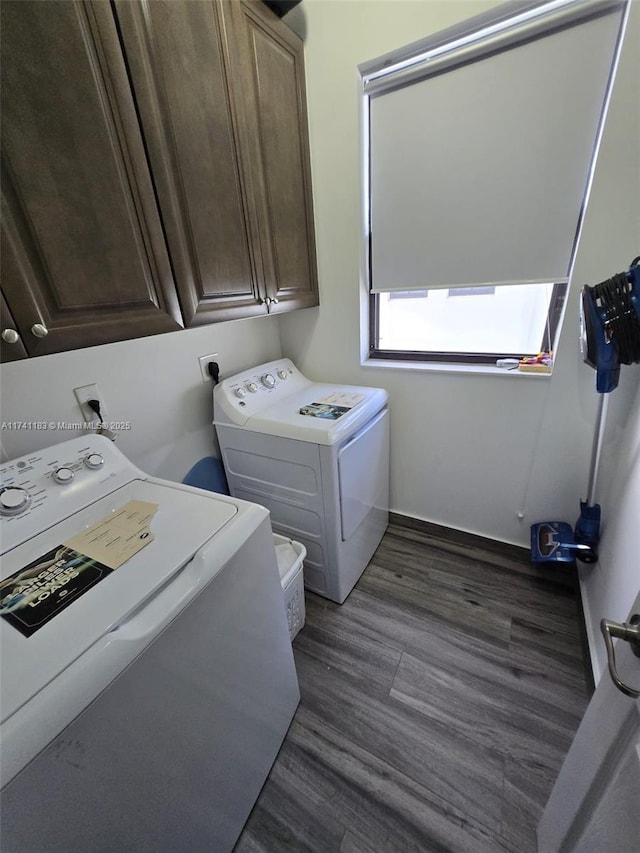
<point>176,57</point>
<point>155,169</point>
<point>229,156</point>
<point>84,260</point>
<point>267,77</point>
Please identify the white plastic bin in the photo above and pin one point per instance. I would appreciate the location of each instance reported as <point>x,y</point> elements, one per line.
<point>290,555</point>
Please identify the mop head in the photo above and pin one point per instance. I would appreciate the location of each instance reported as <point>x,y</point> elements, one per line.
<point>552,542</point>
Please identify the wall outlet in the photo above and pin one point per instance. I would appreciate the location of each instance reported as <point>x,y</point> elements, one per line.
<point>204,361</point>
<point>90,392</point>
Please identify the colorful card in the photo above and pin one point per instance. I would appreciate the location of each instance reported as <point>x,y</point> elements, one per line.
<point>333,406</point>
<point>36,593</point>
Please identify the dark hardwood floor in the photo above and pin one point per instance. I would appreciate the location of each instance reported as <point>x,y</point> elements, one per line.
<point>437,705</point>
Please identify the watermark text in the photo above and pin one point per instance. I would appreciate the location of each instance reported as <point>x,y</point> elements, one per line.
<point>91,426</point>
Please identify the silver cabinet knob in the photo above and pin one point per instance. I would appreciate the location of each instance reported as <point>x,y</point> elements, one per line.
<point>269,301</point>
<point>39,331</point>
<point>10,336</point>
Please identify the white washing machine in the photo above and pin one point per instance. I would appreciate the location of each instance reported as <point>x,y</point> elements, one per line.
<point>317,456</point>
<point>142,705</point>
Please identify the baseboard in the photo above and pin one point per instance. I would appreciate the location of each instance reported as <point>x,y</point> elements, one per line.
<point>460,537</point>
<point>587,639</point>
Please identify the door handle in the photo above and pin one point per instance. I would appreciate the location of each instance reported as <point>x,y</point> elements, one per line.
<point>630,633</point>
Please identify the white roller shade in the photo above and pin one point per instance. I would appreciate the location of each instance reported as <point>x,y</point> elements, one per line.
<point>478,174</point>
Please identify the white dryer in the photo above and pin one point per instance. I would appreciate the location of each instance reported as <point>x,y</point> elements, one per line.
<point>317,456</point>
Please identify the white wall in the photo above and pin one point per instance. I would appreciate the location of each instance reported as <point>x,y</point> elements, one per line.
<point>155,383</point>
<point>467,451</point>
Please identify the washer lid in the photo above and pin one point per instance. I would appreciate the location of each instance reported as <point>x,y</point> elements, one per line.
<point>101,598</point>
<point>322,414</point>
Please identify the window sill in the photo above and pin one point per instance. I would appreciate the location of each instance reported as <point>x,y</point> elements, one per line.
<point>451,367</point>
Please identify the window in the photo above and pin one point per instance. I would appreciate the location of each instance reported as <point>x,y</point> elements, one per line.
<point>479,147</point>
<point>473,324</point>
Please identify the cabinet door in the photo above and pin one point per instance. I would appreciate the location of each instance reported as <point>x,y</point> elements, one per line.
<point>267,62</point>
<point>88,261</point>
<point>11,346</point>
<point>176,56</point>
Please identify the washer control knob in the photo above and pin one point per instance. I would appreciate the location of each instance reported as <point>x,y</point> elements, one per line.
<point>13,499</point>
<point>268,380</point>
<point>94,461</point>
<point>240,392</point>
<point>63,475</point>
<point>251,386</point>
<point>282,373</point>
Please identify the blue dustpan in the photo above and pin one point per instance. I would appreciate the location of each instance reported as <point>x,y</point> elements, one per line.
<point>552,542</point>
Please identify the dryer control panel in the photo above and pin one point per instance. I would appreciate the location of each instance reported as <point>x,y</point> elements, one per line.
<point>46,486</point>
<point>239,397</point>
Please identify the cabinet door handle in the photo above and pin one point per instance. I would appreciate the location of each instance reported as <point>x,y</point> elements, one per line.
<point>10,336</point>
<point>39,331</point>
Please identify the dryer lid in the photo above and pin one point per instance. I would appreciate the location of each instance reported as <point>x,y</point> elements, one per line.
<point>322,414</point>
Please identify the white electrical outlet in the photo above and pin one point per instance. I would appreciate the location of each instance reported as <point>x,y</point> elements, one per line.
<point>90,392</point>
<point>204,361</point>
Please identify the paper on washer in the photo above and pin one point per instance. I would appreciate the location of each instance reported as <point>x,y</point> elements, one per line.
<point>116,538</point>
<point>344,399</point>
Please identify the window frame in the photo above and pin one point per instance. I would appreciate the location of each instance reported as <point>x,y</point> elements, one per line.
<point>406,59</point>
<point>556,310</point>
